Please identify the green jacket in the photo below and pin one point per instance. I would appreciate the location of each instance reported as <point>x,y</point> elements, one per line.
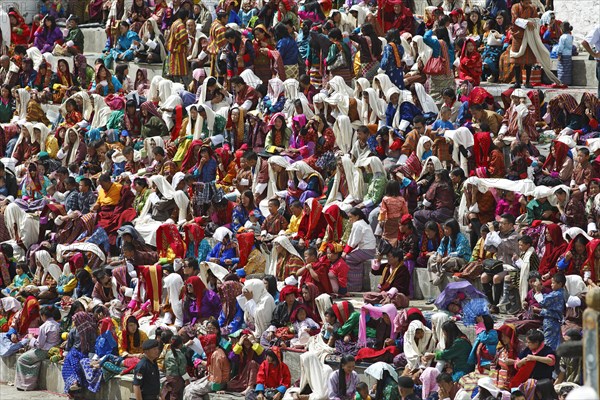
<point>458,355</point>
<point>76,35</point>
<point>351,327</point>
<point>175,363</point>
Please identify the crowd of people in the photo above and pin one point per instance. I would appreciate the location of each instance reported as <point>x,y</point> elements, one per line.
<point>187,228</point>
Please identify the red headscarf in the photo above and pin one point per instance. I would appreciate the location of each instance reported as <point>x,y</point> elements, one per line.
<point>554,249</point>
<point>341,311</point>
<point>561,152</point>
<point>31,311</point>
<point>480,96</point>
<point>334,221</point>
<point>153,280</point>
<point>209,345</point>
<point>590,262</point>
<point>105,325</point>
<point>194,234</point>
<point>481,149</point>
<point>513,346</point>
<point>316,212</point>
<point>288,289</point>
<point>198,287</point>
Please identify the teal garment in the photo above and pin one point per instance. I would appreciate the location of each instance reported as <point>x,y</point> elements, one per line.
<point>350,327</point>
<point>458,356</point>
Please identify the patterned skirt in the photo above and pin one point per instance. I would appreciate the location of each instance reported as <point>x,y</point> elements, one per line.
<point>345,73</point>
<point>28,368</point>
<point>369,70</point>
<point>565,70</point>
<point>291,71</point>
<point>316,79</point>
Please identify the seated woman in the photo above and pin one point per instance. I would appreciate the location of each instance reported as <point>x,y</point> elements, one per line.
<point>47,35</point>
<point>418,341</point>
<point>453,254</point>
<point>360,248</point>
<point>29,363</point>
<point>343,381</point>
<point>484,347</point>
<point>258,305</point>
<point>555,246</point>
<point>281,317</point>
<point>81,341</point>
<point>382,320</point>
<point>242,210</point>
<point>198,303</point>
<point>123,48</point>
<point>273,376</point>
<point>278,138</point>
<point>73,150</point>
<point>61,81</point>
<point>245,358</point>
<point>272,104</point>
<point>225,252</point>
<point>152,122</point>
<point>217,366</point>
<point>285,259</point>
<point>456,352</point>
<point>536,361</point>
<point>231,316</point>
<point>311,228</point>
<point>104,83</point>
<point>394,274</point>
<point>571,263</point>
<point>566,113</point>
<point>35,184</point>
<point>558,168</point>
<point>509,348</point>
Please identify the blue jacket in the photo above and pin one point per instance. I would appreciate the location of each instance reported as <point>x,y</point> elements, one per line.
<point>288,48</point>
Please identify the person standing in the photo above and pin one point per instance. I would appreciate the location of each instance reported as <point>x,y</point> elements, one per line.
<point>177,48</point>
<point>146,376</point>
<point>591,44</point>
<point>522,13</point>
<point>216,41</point>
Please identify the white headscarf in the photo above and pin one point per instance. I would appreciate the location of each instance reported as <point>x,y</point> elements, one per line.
<point>173,283</point>
<point>427,103</point>
<point>361,85</point>
<point>321,98</point>
<point>73,146</point>
<point>61,249</point>
<point>45,259</point>
<point>197,128</point>
<point>274,89</point>
<point>168,106</point>
<point>460,137</point>
<point>413,350</point>
<point>425,52</point>
<point>344,134</point>
<point>382,83</point>
<point>158,35</point>
<point>101,112</point>
<point>250,78</point>
<point>219,272</point>
<point>154,85</point>
<point>21,106</point>
<point>5,28</point>
<point>210,120</point>
<point>177,178</point>
<point>342,103</point>
<point>10,304</point>
<point>259,310</point>
<point>337,84</point>
<point>374,163</point>
<point>437,165</point>
<point>354,180</point>
<point>86,105</point>
<point>377,107</point>
<point>158,142</point>
<point>221,233</point>
<point>28,227</point>
<point>362,13</point>
<point>303,170</point>
<point>272,185</point>
<point>29,127</point>
<point>421,147</point>
<point>284,242</point>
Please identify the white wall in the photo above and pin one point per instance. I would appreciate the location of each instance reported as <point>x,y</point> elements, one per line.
<point>582,14</point>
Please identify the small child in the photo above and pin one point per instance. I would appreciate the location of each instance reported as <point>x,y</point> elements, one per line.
<point>338,272</point>
<point>362,391</point>
<point>175,370</point>
<point>553,309</point>
<point>303,326</point>
<point>443,123</point>
<point>330,325</point>
<point>252,224</point>
<point>296,209</point>
<point>275,222</point>
<point>565,55</point>
<point>20,280</point>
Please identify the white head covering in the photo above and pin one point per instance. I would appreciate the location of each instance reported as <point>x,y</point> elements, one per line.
<point>177,178</point>
<point>425,52</point>
<point>321,98</point>
<point>377,106</point>
<point>28,227</point>
<point>337,84</point>
<point>158,142</point>
<point>250,78</point>
<point>154,86</point>
<point>342,103</point>
<point>361,85</point>
<point>222,232</point>
<point>73,146</point>
<point>437,165</point>
<point>421,146</point>
<point>260,309</point>
<point>427,103</point>
<point>344,134</point>
<point>382,83</point>
<point>374,163</point>
<point>303,170</point>
<point>10,304</point>
<point>101,112</point>
<point>362,13</point>
<point>219,272</point>
<point>168,106</point>
<point>275,88</point>
<point>284,242</point>
<point>5,28</point>
<point>195,133</point>
<point>173,283</point>
<point>45,260</point>
<point>460,137</point>
<point>210,119</point>
<point>354,180</point>
<point>21,106</point>
<point>413,350</point>
<point>272,185</point>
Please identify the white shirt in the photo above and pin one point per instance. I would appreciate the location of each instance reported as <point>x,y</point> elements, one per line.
<point>593,38</point>
<point>361,236</point>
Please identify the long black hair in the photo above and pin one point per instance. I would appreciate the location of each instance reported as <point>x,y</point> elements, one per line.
<point>176,342</point>
<point>455,228</point>
<point>136,336</point>
<point>452,332</point>
<point>357,212</point>
<point>271,284</point>
<point>382,383</point>
<point>376,48</point>
<point>342,375</point>
<point>544,390</point>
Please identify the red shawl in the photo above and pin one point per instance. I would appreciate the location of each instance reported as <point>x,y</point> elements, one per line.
<point>30,312</point>
<point>513,347</point>
<point>470,64</point>
<point>590,262</point>
<point>480,96</point>
<point>153,281</point>
<point>194,234</point>
<point>167,236</point>
<point>335,226</point>
<point>481,149</point>
<point>341,311</point>
<point>198,287</point>
<point>561,151</point>
<point>554,249</point>
<point>245,244</point>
